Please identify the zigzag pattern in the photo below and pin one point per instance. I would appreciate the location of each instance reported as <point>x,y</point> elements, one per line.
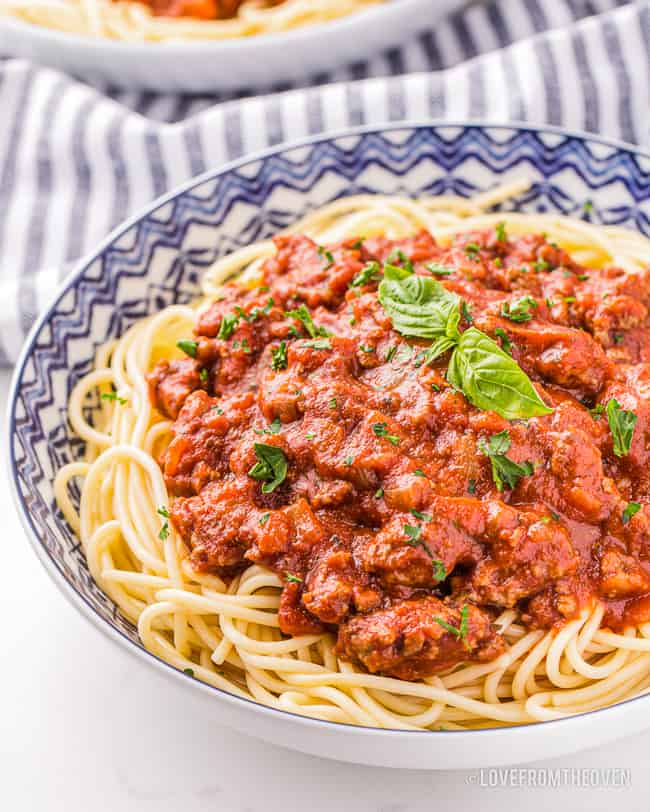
<point>158,261</point>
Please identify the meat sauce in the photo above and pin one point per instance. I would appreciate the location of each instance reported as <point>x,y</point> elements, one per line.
<point>200,9</point>
<point>389,528</point>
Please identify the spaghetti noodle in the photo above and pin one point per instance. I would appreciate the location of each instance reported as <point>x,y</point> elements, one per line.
<point>135,22</point>
<point>226,632</point>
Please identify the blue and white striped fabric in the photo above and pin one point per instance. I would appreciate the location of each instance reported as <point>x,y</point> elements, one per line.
<point>75,161</point>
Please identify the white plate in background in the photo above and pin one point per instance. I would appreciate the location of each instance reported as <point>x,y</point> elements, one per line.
<point>210,66</point>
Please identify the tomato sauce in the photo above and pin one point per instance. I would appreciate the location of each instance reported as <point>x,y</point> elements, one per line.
<point>312,438</point>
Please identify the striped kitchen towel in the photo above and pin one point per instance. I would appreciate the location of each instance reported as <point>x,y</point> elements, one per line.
<point>75,161</point>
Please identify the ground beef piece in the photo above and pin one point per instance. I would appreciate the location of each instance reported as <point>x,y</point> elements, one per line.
<point>409,641</point>
<point>170,383</point>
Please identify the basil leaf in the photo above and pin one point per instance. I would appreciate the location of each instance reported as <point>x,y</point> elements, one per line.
<point>506,473</point>
<point>418,305</point>
<point>491,380</point>
<point>271,466</point>
<point>621,424</point>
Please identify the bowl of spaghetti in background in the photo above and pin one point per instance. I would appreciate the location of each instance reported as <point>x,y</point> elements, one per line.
<point>122,44</point>
<point>153,268</point>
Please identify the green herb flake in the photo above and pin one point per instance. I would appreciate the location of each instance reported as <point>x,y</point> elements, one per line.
<point>163,535</point>
<point>419,472</point>
<point>188,347</point>
<point>333,403</point>
<point>229,324</point>
<point>582,277</point>
<point>424,517</point>
<point>631,510</point>
<point>279,357</point>
<point>379,493</point>
<point>439,270</point>
<point>370,273</point>
<point>319,344</point>
<point>619,338</point>
<point>501,232</point>
<point>471,486</point>
<point>292,579</point>
<point>348,461</point>
<point>413,533</point>
<point>439,571</point>
<point>472,250</point>
<point>264,519</point>
<point>519,310</point>
<point>303,315</point>
<point>506,344</point>
<point>310,435</point>
<point>381,430</point>
<point>391,352</point>
<point>621,425</point>
<point>189,672</point>
<point>271,466</point>
<point>114,398</point>
<point>358,244</point>
<point>505,472</point>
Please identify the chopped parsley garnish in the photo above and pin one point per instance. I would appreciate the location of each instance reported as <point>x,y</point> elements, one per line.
<point>264,519</point>
<point>246,347</point>
<point>596,412</point>
<point>358,245</point>
<point>217,409</point>
<point>279,357</point>
<point>413,533</point>
<point>188,347</point>
<point>461,631</point>
<point>501,232</point>
<point>587,206</point>
<point>319,344</point>
<point>310,435</point>
<point>439,270</point>
<point>189,672</point>
<point>466,312</point>
<point>203,375</point>
<point>582,277</point>
<point>506,344</point>
<point>541,265</point>
<point>333,403</point>
<point>399,256</point>
<point>113,396</point>
<point>471,486</point>
<point>569,299</point>
<point>435,387</point>
<point>631,510</point>
<point>228,326</point>
<point>329,256</point>
<point>381,430</point>
<point>274,428</point>
<point>621,425</point>
<point>379,493</point>
<point>391,352</point>
<point>370,273</point>
<point>619,338</point>
<point>348,461</point>
<point>163,535</point>
<point>366,348</point>
<point>303,315</point>
<point>439,571</point>
<point>506,473</point>
<point>555,516</point>
<point>419,472</point>
<point>425,517</point>
<point>292,579</point>
<point>519,310</point>
<point>472,250</point>
<point>271,466</point>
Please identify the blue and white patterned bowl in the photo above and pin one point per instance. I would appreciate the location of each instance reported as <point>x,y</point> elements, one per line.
<point>157,259</point>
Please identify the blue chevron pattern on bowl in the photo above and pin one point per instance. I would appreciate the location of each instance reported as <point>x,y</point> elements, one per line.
<point>157,259</point>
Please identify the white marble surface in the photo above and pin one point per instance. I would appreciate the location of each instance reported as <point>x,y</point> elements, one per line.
<point>83,727</point>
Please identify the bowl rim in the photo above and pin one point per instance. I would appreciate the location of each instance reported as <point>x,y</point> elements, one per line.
<point>284,39</point>
<point>83,606</point>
